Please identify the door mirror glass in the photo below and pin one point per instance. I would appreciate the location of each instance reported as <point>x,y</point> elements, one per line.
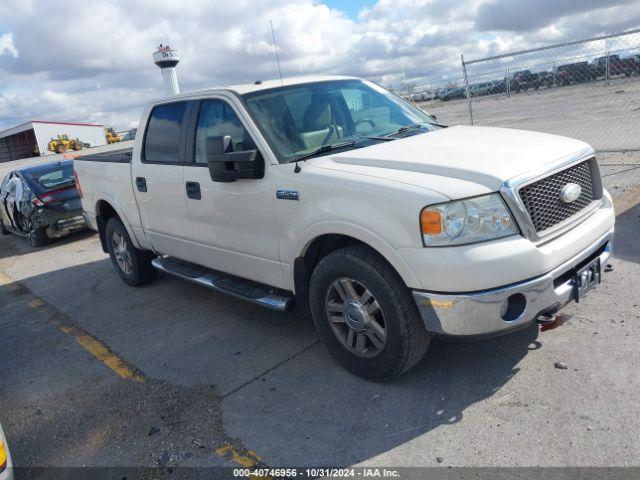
<point>217,145</point>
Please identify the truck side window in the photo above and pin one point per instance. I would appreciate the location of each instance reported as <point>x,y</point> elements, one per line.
<point>162,141</point>
<point>218,119</point>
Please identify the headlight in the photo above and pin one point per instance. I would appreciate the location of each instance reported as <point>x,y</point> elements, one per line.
<point>466,221</point>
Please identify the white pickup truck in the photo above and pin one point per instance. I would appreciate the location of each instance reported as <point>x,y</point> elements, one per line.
<point>337,196</point>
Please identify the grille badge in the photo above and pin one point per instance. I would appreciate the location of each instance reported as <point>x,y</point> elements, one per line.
<point>570,192</point>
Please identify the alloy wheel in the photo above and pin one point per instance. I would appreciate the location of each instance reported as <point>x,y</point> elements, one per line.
<point>355,317</point>
<point>121,253</point>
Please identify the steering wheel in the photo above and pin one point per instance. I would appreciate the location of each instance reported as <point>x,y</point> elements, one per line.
<point>364,120</point>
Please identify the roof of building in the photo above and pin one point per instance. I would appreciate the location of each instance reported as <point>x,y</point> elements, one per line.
<point>29,125</point>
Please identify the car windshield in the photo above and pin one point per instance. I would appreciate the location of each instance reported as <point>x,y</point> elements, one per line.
<point>51,177</point>
<point>299,119</point>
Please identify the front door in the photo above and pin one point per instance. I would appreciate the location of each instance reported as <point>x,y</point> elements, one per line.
<point>158,181</point>
<point>233,223</point>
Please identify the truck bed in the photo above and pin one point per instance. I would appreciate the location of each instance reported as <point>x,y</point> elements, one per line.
<point>106,178</point>
<point>122,155</point>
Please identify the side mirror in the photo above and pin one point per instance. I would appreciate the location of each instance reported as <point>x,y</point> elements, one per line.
<point>228,166</point>
<point>218,145</point>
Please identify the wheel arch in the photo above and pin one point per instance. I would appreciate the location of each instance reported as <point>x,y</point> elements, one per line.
<point>316,247</point>
<point>106,209</point>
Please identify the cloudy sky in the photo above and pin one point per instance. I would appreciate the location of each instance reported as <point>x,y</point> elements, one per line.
<point>81,60</point>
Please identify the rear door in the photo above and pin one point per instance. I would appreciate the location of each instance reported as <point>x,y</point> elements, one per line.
<point>158,181</point>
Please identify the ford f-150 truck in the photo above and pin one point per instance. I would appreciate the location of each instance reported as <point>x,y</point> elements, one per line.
<point>338,197</point>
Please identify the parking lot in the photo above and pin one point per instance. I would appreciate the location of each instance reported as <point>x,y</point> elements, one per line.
<point>607,117</point>
<point>169,375</point>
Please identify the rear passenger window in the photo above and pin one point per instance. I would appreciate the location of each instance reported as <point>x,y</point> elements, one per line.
<point>162,141</point>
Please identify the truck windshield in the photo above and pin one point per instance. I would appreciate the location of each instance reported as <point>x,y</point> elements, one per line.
<point>298,119</point>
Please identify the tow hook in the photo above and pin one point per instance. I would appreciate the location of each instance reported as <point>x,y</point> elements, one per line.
<point>549,322</point>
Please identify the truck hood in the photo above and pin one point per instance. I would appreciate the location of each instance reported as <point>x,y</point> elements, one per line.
<point>458,161</point>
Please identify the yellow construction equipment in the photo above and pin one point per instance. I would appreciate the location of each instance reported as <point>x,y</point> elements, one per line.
<point>111,135</point>
<point>63,143</point>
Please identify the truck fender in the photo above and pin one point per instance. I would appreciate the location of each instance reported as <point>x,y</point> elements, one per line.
<point>113,203</point>
<point>362,234</point>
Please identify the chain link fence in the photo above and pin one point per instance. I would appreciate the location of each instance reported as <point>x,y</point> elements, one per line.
<point>588,90</point>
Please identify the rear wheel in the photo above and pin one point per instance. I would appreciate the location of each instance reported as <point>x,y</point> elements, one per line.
<point>38,238</point>
<point>365,314</point>
<point>133,265</point>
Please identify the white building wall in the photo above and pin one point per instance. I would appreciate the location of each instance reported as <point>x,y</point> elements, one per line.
<point>94,135</point>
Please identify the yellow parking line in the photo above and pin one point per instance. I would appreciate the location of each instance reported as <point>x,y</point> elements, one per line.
<point>102,353</point>
<point>89,343</point>
<point>248,459</point>
<point>36,303</point>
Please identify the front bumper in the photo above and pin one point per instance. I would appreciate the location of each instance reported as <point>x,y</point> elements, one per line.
<point>478,313</point>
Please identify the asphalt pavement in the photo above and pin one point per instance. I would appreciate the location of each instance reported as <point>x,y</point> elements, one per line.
<point>99,374</point>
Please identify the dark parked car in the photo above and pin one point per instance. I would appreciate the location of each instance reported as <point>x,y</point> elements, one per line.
<point>480,89</point>
<point>498,86</point>
<point>578,72</point>
<point>617,66</point>
<point>524,80</point>
<point>41,203</point>
<point>453,94</point>
<point>546,79</point>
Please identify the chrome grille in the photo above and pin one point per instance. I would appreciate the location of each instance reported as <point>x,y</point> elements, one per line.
<point>542,198</point>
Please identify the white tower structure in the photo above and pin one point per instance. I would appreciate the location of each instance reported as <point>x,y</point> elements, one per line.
<point>167,59</point>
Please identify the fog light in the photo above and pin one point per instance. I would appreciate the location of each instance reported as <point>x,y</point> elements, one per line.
<point>513,307</point>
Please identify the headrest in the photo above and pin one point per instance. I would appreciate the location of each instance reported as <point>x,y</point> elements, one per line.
<point>318,115</point>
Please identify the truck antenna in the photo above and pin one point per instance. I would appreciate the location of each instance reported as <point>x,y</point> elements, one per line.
<point>275,51</point>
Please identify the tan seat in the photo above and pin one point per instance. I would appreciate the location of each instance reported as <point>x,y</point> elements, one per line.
<point>319,124</point>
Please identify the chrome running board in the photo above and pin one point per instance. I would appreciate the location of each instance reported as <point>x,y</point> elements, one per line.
<point>248,290</point>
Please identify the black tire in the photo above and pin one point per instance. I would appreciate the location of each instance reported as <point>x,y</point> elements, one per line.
<point>38,238</point>
<point>406,337</point>
<point>3,230</point>
<point>141,271</point>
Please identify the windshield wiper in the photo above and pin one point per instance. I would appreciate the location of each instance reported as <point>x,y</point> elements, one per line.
<point>413,126</point>
<point>324,149</point>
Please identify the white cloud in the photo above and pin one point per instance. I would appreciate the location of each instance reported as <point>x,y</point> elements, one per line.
<point>6,45</point>
<point>100,63</point>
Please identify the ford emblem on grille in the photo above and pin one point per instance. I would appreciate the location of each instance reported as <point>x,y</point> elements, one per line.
<point>570,192</point>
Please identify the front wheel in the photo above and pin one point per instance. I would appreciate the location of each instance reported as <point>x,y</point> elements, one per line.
<point>365,314</point>
<point>133,265</point>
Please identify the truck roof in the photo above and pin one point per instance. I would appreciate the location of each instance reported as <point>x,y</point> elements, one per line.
<point>257,86</point>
